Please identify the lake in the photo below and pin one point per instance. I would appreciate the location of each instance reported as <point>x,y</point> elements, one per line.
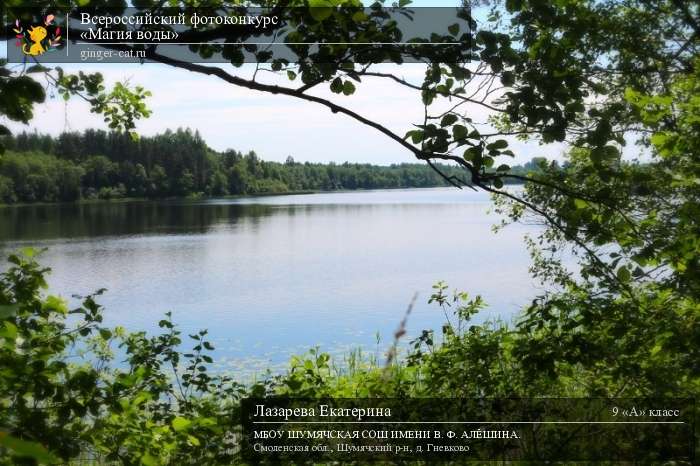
<point>274,276</point>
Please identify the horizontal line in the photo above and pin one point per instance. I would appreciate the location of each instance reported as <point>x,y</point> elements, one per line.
<point>269,43</point>
<point>469,422</point>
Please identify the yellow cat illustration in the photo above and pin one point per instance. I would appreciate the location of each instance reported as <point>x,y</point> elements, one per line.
<point>36,35</point>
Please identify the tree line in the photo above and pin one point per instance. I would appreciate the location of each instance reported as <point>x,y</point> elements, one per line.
<point>97,164</point>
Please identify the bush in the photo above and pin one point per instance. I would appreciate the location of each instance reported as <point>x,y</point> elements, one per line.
<point>7,190</point>
<point>164,406</point>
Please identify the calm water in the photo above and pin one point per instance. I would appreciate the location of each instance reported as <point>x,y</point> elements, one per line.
<point>274,276</point>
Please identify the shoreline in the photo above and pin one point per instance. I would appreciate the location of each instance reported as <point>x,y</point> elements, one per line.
<point>201,198</point>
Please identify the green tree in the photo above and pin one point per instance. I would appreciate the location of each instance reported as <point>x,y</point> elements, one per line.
<point>68,178</point>
<point>100,172</point>
<point>238,179</point>
<point>7,190</point>
<point>70,407</point>
<point>218,184</point>
<point>631,318</point>
<point>113,165</point>
<point>18,94</point>
<point>159,181</point>
<point>185,183</point>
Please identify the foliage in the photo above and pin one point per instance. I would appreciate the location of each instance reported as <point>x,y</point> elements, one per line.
<point>120,107</point>
<point>163,405</point>
<point>629,321</point>
<point>19,92</point>
<point>160,406</point>
<point>36,177</point>
<point>97,164</point>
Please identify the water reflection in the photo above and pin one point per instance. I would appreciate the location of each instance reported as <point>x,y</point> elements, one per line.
<point>31,223</point>
<point>276,275</point>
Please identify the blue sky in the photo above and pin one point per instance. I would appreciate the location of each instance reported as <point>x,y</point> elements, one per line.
<point>273,126</point>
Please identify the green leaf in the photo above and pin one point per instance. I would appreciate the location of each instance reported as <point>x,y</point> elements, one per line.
<point>473,153</point>
<point>8,310</point>
<point>293,384</point>
<point>508,78</point>
<point>453,29</point>
<point>149,460</point>
<point>449,119</point>
<point>320,9</point>
<point>660,140</point>
<point>55,304</point>
<point>416,136</point>
<point>623,274</point>
<point>604,154</point>
<point>8,330</point>
<point>348,88</point>
<point>359,17</point>
<point>180,423</point>
<point>459,132</point>
<point>499,144</point>
<point>26,449</point>
<point>29,253</point>
<point>337,85</point>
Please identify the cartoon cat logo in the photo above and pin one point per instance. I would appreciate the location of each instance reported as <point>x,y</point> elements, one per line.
<point>36,35</point>
<point>38,39</point>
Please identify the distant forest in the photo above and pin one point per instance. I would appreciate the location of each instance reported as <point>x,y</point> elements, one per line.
<point>97,164</point>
